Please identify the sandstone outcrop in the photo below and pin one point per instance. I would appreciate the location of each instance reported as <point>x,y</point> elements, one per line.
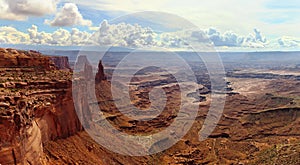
<point>61,62</point>
<point>82,60</point>
<point>36,105</point>
<point>12,58</point>
<point>100,74</point>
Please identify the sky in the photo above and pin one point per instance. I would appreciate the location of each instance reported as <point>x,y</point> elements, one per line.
<point>231,25</point>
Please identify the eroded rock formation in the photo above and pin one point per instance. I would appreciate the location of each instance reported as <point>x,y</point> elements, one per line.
<point>12,58</point>
<point>36,105</point>
<point>61,62</point>
<point>100,74</point>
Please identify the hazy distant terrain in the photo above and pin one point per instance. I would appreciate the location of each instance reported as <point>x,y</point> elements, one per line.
<point>263,59</point>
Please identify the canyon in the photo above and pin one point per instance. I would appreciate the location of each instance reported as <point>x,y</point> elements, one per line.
<point>43,104</point>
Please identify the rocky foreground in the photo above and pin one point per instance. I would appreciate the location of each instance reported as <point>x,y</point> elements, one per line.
<point>39,124</point>
<point>38,121</point>
<point>36,105</point>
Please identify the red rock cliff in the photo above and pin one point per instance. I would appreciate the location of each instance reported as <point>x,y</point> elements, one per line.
<point>23,59</point>
<point>61,62</point>
<point>36,106</point>
<point>100,74</point>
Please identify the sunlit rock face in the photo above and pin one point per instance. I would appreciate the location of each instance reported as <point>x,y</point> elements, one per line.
<point>36,105</point>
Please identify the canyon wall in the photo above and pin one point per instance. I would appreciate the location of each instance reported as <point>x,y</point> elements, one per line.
<point>11,58</point>
<point>36,105</point>
<point>61,62</point>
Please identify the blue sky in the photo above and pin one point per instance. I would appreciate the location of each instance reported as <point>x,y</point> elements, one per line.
<point>236,24</point>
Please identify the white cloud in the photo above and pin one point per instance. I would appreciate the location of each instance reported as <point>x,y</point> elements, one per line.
<point>231,39</point>
<point>69,15</point>
<point>60,37</point>
<point>224,15</point>
<point>289,41</point>
<point>124,35</point>
<point>5,12</point>
<point>214,38</point>
<point>136,36</point>
<point>21,9</point>
<point>171,40</point>
<point>10,35</point>
<point>32,7</point>
<point>36,37</point>
<point>79,37</point>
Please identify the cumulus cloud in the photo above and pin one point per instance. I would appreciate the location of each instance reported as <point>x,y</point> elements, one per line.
<point>5,12</point>
<point>259,37</point>
<point>69,15</point>
<point>32,7</point>
<point>79,37</point>
<point>124,35</point>
<point>231,39</point>
<point>60,37</point>
<point>10,35</point>
<point>213,37</point>
<point>21,9</point>
<point>185,39</point>
<point>289,41</point>
<point>171,40</point>
<point>36,37</point>
<point>136,36</point>
<point>121,34</point>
